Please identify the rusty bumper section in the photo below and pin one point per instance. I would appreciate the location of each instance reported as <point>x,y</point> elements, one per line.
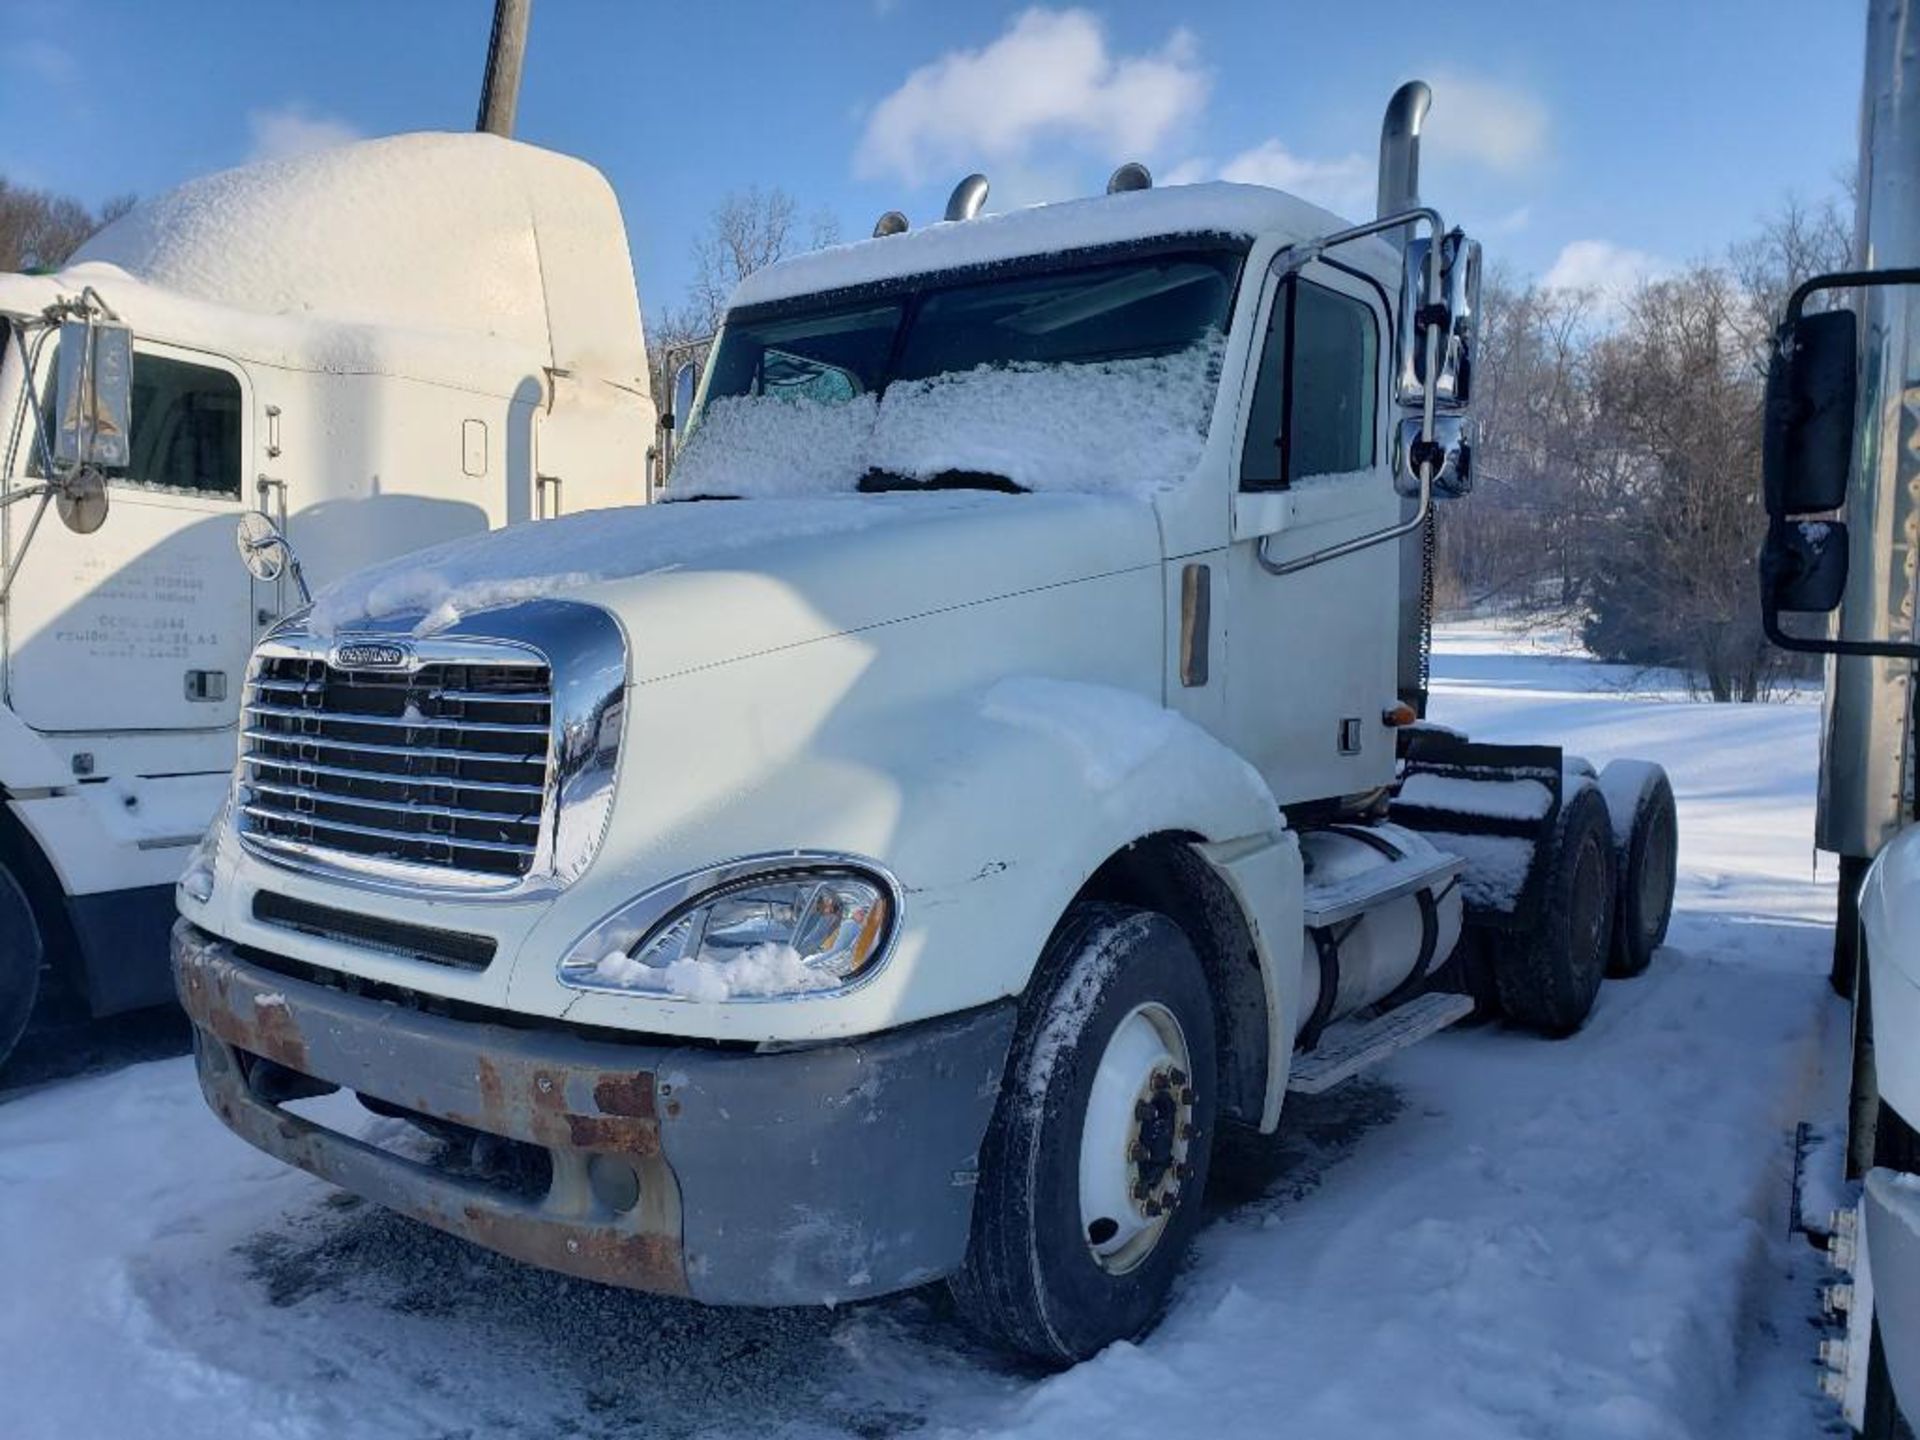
<point>799,1177</point>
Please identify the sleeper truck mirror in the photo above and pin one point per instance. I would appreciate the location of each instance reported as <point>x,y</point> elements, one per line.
<point>93,395</point>
<point>1456,307</point>
<point>686,382</point>
<point>1450,452</point>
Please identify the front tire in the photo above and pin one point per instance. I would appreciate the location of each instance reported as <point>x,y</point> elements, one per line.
<point>1093,1168</point>
<point>21,956</point>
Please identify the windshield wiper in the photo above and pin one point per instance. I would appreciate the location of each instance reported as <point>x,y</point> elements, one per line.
<point>882,482</point>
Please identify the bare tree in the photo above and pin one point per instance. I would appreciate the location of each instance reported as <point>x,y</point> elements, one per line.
<point>40,230</point>
<point>747,231</point>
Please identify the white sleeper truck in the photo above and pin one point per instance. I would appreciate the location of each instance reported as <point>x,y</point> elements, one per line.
<point>994,769</point>
<point>1843,493</point>
<point>382,346</point>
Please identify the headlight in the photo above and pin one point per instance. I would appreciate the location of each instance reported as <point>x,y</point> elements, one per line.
<point>756,929</point>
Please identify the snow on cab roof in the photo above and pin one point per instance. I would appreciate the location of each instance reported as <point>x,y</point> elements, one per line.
<point>433,232</point>
<point>1214,208</point>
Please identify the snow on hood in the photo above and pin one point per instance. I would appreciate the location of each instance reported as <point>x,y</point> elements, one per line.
<point>1134,426</point>
<point>548,558</point>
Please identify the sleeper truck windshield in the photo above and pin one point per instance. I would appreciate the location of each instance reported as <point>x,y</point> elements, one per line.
<point>1131,309</point>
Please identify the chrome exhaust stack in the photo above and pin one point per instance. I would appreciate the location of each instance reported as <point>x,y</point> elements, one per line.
<point>1400,155</point>
<point>967,198</point>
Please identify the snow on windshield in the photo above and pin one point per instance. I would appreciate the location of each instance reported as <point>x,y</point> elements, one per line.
<point>1133,426</point>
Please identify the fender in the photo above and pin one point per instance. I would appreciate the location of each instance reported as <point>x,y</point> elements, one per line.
<point>991,806</point>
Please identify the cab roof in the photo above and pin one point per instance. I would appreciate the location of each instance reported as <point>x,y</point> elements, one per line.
<point>1215,208</point>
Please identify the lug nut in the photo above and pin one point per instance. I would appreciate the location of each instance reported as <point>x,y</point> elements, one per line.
<point>1152,1210</point>
<point>1183,1171</point>
<point>1177,1075</point>
<point>1840,1252</point>
<point>1136,1151</point>
<point>1833,1355</point>
<point>1160,1082</point>
<point>1834,1387</point>
<point>1189,1131</point>
<point>1843,1222</point>
<point>1187,1096</point>
<point>1837,1299</point>
<point>1141,1190</point>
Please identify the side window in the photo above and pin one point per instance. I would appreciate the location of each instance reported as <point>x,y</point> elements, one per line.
<point>1315,400</point>
<point>186,427</point>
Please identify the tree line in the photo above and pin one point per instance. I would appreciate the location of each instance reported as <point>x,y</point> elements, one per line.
<point>1618,464</point>
<point>39,229</point>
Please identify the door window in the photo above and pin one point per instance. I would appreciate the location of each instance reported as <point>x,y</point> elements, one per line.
<point>1315,401</point>
<point>186,428</point>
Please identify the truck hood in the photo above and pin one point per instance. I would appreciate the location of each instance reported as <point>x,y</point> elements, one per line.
<point>701,583</point>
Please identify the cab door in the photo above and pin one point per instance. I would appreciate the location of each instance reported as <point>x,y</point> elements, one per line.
<point>146,623</point>
<point>1311,672</point>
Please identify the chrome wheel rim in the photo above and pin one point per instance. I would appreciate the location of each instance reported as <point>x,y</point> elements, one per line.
<point>1136,1137</point>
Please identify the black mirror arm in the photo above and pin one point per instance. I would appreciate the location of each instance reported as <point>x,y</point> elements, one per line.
<point>1844,280</point>
<point>1820,645</point>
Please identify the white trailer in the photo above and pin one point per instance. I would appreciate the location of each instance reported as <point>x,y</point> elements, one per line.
<point>1843,495</point>
<point>382,346</point>
<point>993,770</point>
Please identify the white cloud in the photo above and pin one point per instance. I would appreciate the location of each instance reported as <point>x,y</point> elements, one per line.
<point>1344,184</point>
<point>1501,127</point>
<point>293,130</point>
<point>1050,77</point>
<point>1612,271</point>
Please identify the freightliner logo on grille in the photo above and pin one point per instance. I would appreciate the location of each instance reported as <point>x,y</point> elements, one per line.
<point>370,656</point>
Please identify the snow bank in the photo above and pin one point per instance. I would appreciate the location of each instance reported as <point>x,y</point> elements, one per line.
<point>1133,426</point>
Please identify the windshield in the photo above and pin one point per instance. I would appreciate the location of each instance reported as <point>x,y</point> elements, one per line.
<point>969,380</point>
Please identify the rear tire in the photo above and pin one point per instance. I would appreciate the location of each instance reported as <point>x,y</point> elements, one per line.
<point>1072,1247</point>
<point>1649,861</point>
<point>22,954</point>
<point>1549,976</point>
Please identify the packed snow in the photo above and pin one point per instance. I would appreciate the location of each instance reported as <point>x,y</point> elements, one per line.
<point>1135,426</point>
<point>1216,208</point>
<point>764,969</point>
<point>526,562</point>
<point>1493,1235</point>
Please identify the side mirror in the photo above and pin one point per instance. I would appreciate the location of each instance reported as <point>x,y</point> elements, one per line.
<point>1450,453</point>
<point>93,395</point>
<point>686,383</point>
<point>1803,565</point>
<point>267,553</point>
<point>1460,293</point>
<point>1807,444</point>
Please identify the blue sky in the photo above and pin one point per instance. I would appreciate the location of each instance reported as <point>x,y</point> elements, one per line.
<point>1585,142</point>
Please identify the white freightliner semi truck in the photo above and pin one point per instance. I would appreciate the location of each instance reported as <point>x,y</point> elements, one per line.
<point>1843,493</point>
<point>995,769</point>
<point>382,346</point>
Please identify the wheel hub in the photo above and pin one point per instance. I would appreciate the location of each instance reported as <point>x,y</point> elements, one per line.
<point>1138,1130</point>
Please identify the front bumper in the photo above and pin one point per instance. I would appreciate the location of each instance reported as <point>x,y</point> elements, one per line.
<point>802,1176</point>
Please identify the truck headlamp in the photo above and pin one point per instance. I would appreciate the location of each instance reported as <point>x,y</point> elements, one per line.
<point>753,930</point>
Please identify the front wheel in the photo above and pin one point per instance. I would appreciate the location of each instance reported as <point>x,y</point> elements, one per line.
<point>1093,1168</point>
<point>21,955</point>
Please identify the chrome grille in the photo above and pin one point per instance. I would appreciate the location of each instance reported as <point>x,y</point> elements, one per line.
<point>442,763</point>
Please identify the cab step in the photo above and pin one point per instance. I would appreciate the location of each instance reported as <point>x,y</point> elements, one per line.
<point>1355,1045</point>
<point>1329,904</point>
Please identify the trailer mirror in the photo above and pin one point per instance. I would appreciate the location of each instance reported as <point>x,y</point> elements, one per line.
<point>1803,566</point>
<point>1460,295</point>
<point>1450,452</point>
<point>1807,445</point>
<point>93,395</point>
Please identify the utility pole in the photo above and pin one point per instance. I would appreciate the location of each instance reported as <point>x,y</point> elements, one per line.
<point>506,50</point>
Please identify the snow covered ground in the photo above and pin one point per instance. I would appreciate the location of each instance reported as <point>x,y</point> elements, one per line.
<point>1497,1236</point>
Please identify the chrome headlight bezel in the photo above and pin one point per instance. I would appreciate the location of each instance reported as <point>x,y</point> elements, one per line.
<point>637,923</point>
